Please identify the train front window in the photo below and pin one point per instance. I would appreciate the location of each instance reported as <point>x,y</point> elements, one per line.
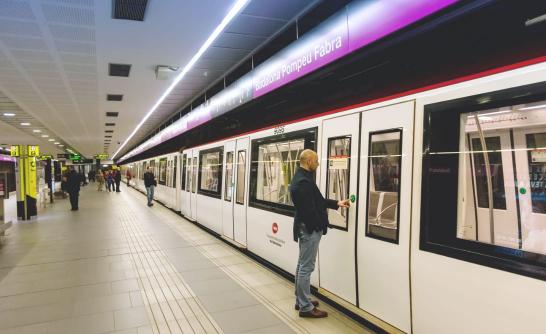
<point>495,166</point>
<point>384,165</point>
<point>536,157</point>
<point>210,176</point>
<point>337,182</point>
<point>484,179</point>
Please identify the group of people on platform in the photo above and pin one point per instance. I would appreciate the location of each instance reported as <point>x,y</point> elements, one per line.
<point>110,178</point>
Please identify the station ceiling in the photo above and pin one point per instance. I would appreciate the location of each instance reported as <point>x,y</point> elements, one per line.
<point>55,56</point>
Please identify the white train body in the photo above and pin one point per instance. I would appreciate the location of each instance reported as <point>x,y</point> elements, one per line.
<point>374,260</point>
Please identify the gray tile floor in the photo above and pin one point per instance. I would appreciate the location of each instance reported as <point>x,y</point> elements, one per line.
<point>117,266</point>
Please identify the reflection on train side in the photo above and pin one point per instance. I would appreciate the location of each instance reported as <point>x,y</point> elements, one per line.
<point>502,173</point>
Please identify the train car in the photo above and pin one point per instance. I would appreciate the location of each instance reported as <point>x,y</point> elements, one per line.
<point>447,233</point>
<point>165,169</point>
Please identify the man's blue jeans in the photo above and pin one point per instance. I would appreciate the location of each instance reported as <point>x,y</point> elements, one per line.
<point>309,244</point>
<point>150,194</point>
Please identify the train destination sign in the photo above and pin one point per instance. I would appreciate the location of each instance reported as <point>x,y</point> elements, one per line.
<point>364,22</point>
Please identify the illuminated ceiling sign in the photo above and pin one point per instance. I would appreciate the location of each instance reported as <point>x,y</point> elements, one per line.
<point>362,23</point>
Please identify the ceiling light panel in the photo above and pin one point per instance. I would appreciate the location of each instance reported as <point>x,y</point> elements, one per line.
<point>112,114</point>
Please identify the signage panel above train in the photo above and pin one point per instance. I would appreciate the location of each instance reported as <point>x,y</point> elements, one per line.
<point>359,24</point>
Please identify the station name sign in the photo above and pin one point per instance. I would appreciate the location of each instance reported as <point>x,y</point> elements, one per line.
<point>362,23</point>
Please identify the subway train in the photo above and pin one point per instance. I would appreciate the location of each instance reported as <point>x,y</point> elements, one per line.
<point>447,230</point>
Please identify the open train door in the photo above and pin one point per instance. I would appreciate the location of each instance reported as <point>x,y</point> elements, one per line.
<point>383,241</point>
<point>242,168</point>
<point>338,175</point>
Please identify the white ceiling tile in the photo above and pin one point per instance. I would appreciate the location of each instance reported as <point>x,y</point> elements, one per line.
<point>16,9</point>
<point>20,28</point>
<point>68,15</point>
<point>24,43</point>
<point>82,34</point>
<point>31,55</point>
<point>75,47</point>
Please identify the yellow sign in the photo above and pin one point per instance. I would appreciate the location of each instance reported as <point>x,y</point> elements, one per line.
<point>101,156</point>
<point>31,177</point>
<point>46,156</point>
<point>15,150</point>
<point>33,150</point>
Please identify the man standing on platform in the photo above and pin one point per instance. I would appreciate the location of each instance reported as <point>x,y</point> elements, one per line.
<point>310,223</point>
<point>149,183</point>
<point>73,187</point>
<point>117,179</point>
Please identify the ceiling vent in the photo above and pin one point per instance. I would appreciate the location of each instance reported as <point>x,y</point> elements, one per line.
<point>119,70</point>
<point>107,136</point>
<point>112,114</point>
<point>114,97</point>
<point>129,9</point>
<point>110,124</point>
<point>109,131</point>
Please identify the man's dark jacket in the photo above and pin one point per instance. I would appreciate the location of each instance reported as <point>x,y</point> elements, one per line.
<point>309,203</point>
<point>149,179</point>
<point>73,181</point>
<point>117,176</point>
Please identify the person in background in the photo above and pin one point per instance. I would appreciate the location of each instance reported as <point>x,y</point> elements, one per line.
<point>73,187</point>
<point>91,176</point>
<point>117,179</point>
<point>128,176</point>
<point>310,223</point>
<point>149,183</point>
<point>100,180</point>
<point>109,180</point>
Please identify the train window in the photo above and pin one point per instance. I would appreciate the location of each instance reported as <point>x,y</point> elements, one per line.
<point>210,176</point>
<point>144,168</point>
<point>536,159</point>
<point>183,172</point>
<point>384,170</point>
<point>337,178</point>
<point>229,177</point>
<point>241,175</point>
<point>274,162</point>
<point>162,171</point>
<point>484,168</point>
<point>194,175</point>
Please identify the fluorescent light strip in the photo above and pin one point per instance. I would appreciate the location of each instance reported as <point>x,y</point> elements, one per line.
<point>239,5</point>
<point>533,107</point>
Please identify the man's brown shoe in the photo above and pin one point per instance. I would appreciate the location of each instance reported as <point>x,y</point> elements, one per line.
<point>314,302</point>
<point>314,313</point>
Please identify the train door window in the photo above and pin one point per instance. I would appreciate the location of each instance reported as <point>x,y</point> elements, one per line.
<point>337,178</point>
<point>210,176</point>
<point>144,168</point>
<point>228,187</point>
<point>274,162</point>
<point>483,191</point>
<point>384,170</point>
<point>183,172</point>
<point>163,171</point>
<point>194,175</point>
<point>497,176</point>
<point>536,161</point>
<point>241,175</point>
<point>175,166</point>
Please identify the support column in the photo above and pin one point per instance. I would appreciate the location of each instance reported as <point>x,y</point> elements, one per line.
<point>26,180</point>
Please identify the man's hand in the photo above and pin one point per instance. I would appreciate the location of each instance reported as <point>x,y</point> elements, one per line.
<point>344,204</point>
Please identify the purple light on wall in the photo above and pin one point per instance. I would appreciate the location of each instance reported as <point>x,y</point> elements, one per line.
<point>7,158</point>
<point>372,20</point>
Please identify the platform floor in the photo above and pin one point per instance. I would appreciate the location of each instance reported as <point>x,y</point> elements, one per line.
<point>117,266</point>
